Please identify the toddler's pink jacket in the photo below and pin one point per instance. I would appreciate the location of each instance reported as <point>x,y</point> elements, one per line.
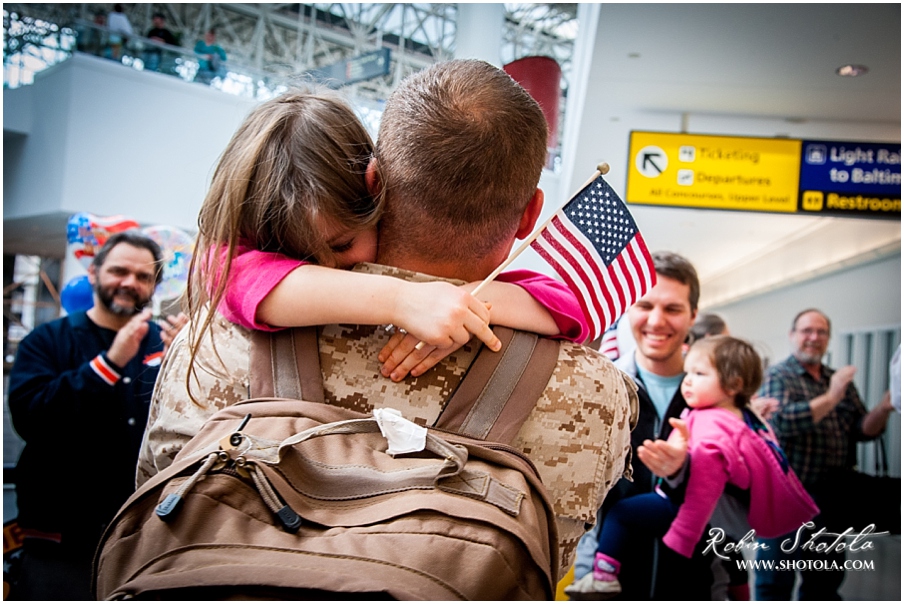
<point>723,449</point>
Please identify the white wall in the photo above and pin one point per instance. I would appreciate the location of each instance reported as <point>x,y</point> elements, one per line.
<point>865,297</point>
<point>107,139</point>
<point>29,187</point>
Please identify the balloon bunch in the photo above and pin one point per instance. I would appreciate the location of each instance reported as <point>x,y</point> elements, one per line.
<point>87,233</point>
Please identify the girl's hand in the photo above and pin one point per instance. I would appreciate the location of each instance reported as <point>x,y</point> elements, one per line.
<point>443,315</point>
<point>439,318</point>
<point>665,457</point>
<point>401,356</point>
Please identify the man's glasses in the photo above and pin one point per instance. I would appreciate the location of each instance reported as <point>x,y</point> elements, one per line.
<point>809,331</point>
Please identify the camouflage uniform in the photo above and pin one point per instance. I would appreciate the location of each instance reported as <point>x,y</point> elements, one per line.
<point>578,435</point>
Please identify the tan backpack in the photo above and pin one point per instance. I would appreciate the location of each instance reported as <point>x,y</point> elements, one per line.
<point>287,497</point>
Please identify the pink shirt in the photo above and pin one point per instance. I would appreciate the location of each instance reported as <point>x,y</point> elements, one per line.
<point>254,274</point>
<point>723,449</point>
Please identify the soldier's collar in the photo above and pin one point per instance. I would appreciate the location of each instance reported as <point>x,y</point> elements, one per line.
<point>400,273</point>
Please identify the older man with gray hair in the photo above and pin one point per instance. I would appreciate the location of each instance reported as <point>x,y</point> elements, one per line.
<point>819,419</point>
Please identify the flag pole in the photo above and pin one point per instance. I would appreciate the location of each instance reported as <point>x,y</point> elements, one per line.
<point>601,169</point>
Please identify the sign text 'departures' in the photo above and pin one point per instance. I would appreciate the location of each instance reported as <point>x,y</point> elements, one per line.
<point>713,172</point>
<point>765,174</point>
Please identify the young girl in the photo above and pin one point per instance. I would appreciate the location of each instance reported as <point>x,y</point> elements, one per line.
<point>728,444</point>
<point>289,191</point>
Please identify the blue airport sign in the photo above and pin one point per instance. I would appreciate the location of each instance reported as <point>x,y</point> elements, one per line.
<point>851,179</point>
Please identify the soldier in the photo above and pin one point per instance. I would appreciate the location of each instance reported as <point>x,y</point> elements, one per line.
<point>454,119</point>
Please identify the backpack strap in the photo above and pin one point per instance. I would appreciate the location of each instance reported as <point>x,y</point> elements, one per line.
<point>286,364</point>
<point>491,403</point>
<point>501,388</point>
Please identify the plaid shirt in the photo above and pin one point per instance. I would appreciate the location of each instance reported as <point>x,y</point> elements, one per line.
<point>813,449</point>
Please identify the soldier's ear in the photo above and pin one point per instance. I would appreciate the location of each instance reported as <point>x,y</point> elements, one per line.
<point>530,215</point>
<point>372,178</point>
<point>92,275</point>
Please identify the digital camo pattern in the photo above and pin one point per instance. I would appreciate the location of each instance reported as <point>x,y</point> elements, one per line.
<point>578,435</point>
<point>221,378</point>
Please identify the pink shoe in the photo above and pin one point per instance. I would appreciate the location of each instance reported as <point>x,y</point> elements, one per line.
<point>605,568</point>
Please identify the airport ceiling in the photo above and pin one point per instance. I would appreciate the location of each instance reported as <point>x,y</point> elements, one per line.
<point>754,59</point>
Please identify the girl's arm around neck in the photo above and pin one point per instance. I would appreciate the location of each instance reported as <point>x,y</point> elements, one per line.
<point>518,299</point>
<point>555,298</point>
<point>438,313</point>
<point>512,306</point>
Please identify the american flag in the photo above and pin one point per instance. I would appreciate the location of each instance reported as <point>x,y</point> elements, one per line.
<point>593,243</point>
<point>609,343</point>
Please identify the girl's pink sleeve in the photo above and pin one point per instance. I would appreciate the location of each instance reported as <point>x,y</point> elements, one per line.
<point>555,296</point>
<point>252,277</point>
<point>707,479</point>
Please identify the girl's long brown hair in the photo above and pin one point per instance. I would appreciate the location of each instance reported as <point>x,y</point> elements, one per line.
<point>295,158</point>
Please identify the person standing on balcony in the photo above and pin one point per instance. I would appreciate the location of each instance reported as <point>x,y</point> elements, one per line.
<point>92,39</point>
<point>120,30</point>
<point>159,33</point>
<point>213,57</point>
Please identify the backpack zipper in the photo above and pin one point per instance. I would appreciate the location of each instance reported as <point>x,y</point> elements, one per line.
<point>237,467</point>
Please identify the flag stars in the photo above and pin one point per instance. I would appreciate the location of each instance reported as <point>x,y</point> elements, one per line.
<point>597,213</point>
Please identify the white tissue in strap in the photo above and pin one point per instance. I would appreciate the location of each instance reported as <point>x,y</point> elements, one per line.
<point>404,436</point>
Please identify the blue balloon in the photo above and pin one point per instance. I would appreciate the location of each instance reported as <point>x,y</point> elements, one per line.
<point>77,295</point>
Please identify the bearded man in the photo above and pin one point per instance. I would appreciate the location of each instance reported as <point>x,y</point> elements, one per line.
<point>819,420</point>
<point>79,394</point>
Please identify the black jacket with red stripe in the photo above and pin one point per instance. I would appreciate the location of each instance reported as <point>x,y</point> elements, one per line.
<point>82,433</point>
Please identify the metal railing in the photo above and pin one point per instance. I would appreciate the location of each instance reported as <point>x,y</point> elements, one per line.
<point>32,45</point>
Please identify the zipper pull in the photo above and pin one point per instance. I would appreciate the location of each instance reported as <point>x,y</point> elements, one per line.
<point>288,517</point>
<point>170,506</point>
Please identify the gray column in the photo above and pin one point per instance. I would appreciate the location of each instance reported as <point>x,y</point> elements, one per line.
<point>479,32</point>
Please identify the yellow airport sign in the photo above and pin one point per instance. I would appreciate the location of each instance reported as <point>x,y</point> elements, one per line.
<point>714,172</point>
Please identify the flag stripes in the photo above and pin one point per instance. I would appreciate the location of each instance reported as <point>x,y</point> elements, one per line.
<point>594,245</point>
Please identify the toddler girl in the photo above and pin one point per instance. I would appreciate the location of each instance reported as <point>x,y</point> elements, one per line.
<point>728,444</point>
<point>291,190</point>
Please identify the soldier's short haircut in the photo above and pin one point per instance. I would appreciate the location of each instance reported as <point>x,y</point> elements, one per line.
<point>460,150</point>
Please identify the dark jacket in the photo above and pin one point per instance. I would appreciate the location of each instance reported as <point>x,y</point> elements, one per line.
<point>649,427</point>
<point>81,434</point>
<point>649,569</point>
<point>164,34</point>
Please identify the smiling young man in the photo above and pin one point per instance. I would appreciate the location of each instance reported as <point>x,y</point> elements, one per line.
<point>660,322</point>
<point>79,393</point>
